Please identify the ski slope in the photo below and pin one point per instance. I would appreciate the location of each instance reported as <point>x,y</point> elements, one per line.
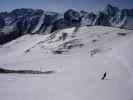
<point>88,52</point>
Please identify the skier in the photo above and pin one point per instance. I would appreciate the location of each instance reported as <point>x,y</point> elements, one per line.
<point>104,76</point>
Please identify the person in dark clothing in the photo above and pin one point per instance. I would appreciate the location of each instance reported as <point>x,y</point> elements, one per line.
<point>104,76</point>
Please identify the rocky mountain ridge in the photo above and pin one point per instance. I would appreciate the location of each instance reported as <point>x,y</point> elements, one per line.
<point>30,21</point>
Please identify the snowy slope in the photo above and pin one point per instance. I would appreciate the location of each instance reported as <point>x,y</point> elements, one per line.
<point>87,52</point>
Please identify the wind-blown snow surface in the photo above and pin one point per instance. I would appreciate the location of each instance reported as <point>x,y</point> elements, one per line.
<point>87,53</point>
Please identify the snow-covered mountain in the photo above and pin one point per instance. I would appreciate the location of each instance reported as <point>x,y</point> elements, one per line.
<point>29,21</point>
<point>79,58</point>
<point>79,47</point>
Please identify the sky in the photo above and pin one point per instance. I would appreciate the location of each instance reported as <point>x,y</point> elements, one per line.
<point>63,5</point>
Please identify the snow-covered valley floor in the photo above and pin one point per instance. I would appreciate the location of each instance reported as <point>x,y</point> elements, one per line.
<point>87,54</point>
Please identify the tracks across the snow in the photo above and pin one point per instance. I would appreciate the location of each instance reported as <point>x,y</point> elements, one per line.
<point>9,71</point>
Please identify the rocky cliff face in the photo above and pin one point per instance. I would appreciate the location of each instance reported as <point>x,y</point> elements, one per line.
<point>29,21</point>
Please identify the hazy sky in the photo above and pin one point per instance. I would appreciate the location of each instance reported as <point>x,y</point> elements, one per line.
<point>62,5</point>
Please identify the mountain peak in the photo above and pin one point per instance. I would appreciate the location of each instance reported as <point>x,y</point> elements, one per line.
<point>110,10</point>
<point>109,6</point>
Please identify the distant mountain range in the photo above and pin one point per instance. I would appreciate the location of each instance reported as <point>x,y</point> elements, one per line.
<point>30,21</point>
